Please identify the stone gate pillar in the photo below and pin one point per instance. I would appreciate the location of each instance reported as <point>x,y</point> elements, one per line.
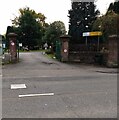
<point>12,47</point>
<point>65,47</point>
<point>112,60</point>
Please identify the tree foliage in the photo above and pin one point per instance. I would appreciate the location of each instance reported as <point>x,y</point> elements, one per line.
<point>82,15</point>
<point>114,7</point>
<point>108,23</point>
<point>29,26</point>
<point>54,31</point>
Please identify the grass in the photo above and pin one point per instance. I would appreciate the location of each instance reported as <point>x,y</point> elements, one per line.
<point>50,56</point>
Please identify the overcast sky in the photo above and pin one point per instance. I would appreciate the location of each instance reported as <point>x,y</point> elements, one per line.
<point>53,9</point>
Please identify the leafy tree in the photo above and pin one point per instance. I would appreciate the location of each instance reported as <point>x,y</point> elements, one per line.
<point>111,7</point>
<point>107,24</point>
<point>29,26</point>
<point>114,7</point>
<point>54,31</point>
<point>82,15</point>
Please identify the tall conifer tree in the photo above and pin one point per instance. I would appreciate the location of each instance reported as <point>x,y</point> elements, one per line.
<point>81,18</point>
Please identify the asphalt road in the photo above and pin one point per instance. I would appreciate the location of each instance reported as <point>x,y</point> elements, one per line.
<point>77,91</point>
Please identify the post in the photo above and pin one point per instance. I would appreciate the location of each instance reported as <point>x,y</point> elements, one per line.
<point>86,41</point>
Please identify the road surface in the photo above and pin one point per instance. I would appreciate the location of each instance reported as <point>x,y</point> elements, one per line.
<point>46,88</point>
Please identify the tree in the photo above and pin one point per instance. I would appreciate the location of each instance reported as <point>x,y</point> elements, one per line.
<point>108,23</point>
<point>54,31</point>
<point>82,15</point>
<point>114,7</point>
<point>29,26</point>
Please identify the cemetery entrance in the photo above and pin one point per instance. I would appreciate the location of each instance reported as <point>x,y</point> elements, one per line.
<point>91,51</point>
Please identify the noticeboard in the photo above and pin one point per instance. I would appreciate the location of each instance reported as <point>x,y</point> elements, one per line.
<point>86,34</point>
<point>97,33</point>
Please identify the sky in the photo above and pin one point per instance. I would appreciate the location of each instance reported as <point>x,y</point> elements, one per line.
<point>54,10</point>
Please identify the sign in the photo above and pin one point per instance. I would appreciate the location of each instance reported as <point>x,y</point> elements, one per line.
<point>92,33</point>
<point>12,43</point>
<point>86,34</point>
<point>20,44</point>
<point>65,50</point>
<point>95,33</point>
<point>3,45</point>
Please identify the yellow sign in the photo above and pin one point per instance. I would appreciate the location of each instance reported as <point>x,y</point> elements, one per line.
<point>95,33</point>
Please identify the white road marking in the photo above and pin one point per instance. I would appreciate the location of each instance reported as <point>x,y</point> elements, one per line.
<point>18,86</point>
<point>32,95</point>
<point>46,76</point>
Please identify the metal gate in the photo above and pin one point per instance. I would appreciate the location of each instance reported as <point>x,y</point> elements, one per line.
<point>58,50</point>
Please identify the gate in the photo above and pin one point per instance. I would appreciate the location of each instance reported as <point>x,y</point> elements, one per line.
<point>58,50</point>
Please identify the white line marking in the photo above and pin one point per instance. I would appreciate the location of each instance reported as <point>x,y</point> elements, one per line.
<point>32,95</point>
<point>45,76</point>
<point>18,86</point>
